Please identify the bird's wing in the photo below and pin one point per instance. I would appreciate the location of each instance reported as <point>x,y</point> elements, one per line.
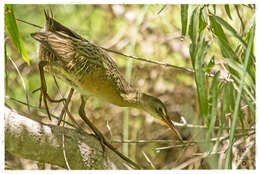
<point>94,53</point>
<point>81,57</point>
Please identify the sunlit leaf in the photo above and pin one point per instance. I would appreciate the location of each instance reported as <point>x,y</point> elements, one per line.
<point>214,8</point>
<point>193,27</point>
<point>12,28</point>
<point>184,18</point>
<point>213,104</point>
<point>200,76</point>
<point>237,104</point>
<point>231,29</point>
<point>228,11</point>
<point>210,65</point>
<point>202,23</point>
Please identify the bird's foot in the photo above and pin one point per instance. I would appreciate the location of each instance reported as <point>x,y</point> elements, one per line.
<point>43,89</point>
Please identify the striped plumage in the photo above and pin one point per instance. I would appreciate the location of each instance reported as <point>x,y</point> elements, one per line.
<point>90,70</point>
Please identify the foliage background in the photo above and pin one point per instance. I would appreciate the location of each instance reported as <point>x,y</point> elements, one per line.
<point>159,37</point>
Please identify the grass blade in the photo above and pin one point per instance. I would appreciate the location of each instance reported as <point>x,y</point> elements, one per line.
<point>12,28</point>
<point>6,72</point>
<point>193,28</point>
<point>213,104</point>
<point>202,23</point>
<point>231,29</point>
<point>200,76</point>
<point>184,19</point>
<point>226,50</point>
<point>237,104</point>
<point>236,71</point>
<point>128,77</point>
<point>228,11</point>
<point>198,50</point>
<point>227,103</point>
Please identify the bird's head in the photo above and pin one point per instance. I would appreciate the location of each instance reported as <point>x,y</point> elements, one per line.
<point>156,108</point>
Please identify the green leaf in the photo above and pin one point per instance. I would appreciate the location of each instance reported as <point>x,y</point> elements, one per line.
<point>227,104</point>
<point>229,98</point>
<point>236,74</point>
<point>198,49</point>
<point>210,65</point>
<point>251,67</point>
<point>237,104</point>
<point>217,29</point>
<point>214,8</point>
<point>200,76</point>
<point>231,29</point>
<point>239,69</point>
<point>12,28</point>
<point>241,118</point>
<point>184,18</point>
<point>6,72</point>
<point>193,27</point>
<point>213,107</point>
<point>202,23</point>
<point>250,104</point>
<point>228,11</point>
<point>226,50</point>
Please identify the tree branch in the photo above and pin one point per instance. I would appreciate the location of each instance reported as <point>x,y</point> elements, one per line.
<point>41,142</point>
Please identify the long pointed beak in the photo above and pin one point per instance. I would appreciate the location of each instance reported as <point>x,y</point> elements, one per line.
<point>169,123</point>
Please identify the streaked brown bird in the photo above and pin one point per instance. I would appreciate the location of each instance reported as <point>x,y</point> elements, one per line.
<point>91,71</point>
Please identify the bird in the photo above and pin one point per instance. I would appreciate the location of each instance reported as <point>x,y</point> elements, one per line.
<point>91,71</point>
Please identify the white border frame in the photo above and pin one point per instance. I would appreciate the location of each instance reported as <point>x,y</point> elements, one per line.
<point>2,2</point>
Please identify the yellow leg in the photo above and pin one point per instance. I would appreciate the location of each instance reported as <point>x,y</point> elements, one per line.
<point>97,133</point>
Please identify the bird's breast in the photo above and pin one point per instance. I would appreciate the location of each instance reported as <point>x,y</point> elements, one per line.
<point>102,88</point>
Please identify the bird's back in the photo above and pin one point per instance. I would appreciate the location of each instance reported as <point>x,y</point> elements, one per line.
<point>84,65</point>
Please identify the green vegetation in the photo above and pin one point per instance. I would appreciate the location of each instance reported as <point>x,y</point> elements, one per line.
<point>215,41</point>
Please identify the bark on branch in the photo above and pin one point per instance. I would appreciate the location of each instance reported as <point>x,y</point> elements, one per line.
<point>37,141</point>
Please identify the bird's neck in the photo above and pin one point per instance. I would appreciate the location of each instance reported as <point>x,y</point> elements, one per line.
<point>136,99</point>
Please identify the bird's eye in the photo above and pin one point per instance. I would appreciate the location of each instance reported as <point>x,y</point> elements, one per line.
<point>160,110</point>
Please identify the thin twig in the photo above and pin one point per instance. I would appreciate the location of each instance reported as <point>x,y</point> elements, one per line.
<point>29,23</point>
<point>109,129</point>
<point>190,161</point>
<point>244,154</point>
<point>242,108</point>
<point>148,160</point>
<point>161,9</point>
<point>203,141</point>
<point>65,104</point>
<point>63,146</point>
<point>240,18</point>
<point>150,61</point>
<point>178,145</point>
<point>184,69</point>
<point>24,86</point>
<point>249,6</point>
<point>207,153</point>
<point>142,141</point>
<point>185,143</point>
<point>187,125</point>
<point>37,108</point>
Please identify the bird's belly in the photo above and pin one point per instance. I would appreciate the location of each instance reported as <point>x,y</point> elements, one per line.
<point>92,85</point>
<point>101,88</point>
